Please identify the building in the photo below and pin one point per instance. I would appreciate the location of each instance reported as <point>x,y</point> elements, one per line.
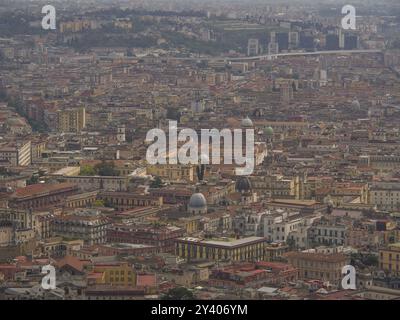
<point>351,42</point>
<point>273,48</point>
<point>253,47</point>
<point>389,259</point>
<point>112,273</point>
<point>161,237</point>
<point>293,40</point>
<point>385,195</point>
<point>328,232</point>
<point>126,249</point>
<point>87,225</point>
<point>252,275</point>
<point>90,183</point>
<point>172,172</point>
<point>126,200</point>
<point>121,136</point>
<point>286,91</point>
<point>71,120</point>
<point>332,42</point>
<point>39,222</point>
<point>197,204</point>
<point>245,249</point>
<point>318,266</point>
<point>279,225</point>
<point>276,186</point>
<point>282,39</point>
<point>172,195</point>
<point>16,153</point>
<point>40,196</point>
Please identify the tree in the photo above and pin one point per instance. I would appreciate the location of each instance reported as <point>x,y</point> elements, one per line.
<point>179,293</point>
<point>33,180</point>
<point>291,243</point>
<point>371,260</point>
<point>98,203</point>
<point>156,183</point>
<point>87,170</point>
<point>106,169</point>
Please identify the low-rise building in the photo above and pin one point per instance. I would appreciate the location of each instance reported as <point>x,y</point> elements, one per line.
<point>89,225</point>
<point>245,249</point>
<point>389,259</point>
<point>319,266</point>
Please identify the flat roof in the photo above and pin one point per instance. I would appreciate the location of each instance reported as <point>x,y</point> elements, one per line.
<point>228,242</point>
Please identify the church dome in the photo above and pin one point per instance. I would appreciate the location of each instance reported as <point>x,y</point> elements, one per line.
<point>246,123</point>
<point>243,185</point>
<point>197,200</point>
<point>355,104</point>
<point>268,131</point>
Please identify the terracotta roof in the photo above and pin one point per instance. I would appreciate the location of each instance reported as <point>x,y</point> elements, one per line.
<point>71,261</point>
<point>146,280</point>
<point>40,189</point>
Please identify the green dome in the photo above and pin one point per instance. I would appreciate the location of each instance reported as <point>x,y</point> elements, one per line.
<point>268,131</point>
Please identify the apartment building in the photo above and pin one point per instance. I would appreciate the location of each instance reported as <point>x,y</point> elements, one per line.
<point>318,266</point>
<point>172,172</point>
<point>71,120</point>
<point>385,195</point>
<point>276,186</point>
<point>280,224</point>
<point>87,225</point>
<point>245,249</point>
<point>16,153</point>
<point>328,231</point>
<point>389,259</point>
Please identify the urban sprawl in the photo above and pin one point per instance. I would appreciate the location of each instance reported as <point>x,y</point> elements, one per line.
<point>82,207</point>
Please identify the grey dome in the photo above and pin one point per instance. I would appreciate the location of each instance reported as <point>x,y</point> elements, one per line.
<point>356,104</point>
<point>247,123</point>
<point>197,200</point>
<point>243,185</point>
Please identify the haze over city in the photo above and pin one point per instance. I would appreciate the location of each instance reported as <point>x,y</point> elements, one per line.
<point>199,150</point>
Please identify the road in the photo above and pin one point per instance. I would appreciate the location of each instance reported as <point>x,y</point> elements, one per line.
<point>274,56</point>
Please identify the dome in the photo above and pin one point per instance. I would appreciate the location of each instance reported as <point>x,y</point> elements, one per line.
<point>355,104</point>
<point>247,123</point>
<point>268,131</point>
<point>243,185</point>
<point>197,200</point>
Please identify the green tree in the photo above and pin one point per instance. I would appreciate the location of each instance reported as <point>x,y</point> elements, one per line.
<point>179,293</point>
<point>87,170</point>
<point>98,203</point>
<point>33,180</point>
<point>106,169</point>
<point>371,260</point>
<point>156,183</point>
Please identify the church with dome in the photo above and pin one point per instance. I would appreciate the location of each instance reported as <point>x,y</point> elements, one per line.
<point>243,186</point>
<point>246,123</point>
<point>197,204</point>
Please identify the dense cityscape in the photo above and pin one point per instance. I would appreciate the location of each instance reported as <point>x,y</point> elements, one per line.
<point>312,97</point>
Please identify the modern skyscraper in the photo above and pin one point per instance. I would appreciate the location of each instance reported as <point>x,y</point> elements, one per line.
<point>253,47</point>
